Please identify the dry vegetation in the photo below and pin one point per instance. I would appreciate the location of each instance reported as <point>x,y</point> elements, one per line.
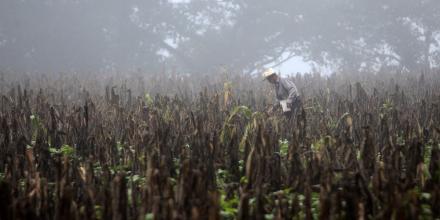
<point>165,147</point>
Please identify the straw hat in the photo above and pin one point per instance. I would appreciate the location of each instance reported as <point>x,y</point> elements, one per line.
<point>268,72</point>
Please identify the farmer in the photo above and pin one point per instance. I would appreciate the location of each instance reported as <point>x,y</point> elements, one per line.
<point>286,92</point>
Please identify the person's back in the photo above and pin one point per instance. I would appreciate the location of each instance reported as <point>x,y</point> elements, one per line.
<point>285,89</point>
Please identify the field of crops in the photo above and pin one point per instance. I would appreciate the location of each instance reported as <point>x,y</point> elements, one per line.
<point>143,146</point>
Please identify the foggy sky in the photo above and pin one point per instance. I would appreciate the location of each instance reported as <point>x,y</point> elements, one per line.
<point>201,36</point>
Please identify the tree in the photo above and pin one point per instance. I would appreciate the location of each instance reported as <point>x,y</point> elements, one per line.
<point>83,35</point>
<point>202,35</point>
<point>352,35</point>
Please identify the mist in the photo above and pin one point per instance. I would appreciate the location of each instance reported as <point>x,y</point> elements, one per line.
<point>219,109</point>
<point>199,36</point>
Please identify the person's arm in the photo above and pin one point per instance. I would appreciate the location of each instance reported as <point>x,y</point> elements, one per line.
<point>291,88</point>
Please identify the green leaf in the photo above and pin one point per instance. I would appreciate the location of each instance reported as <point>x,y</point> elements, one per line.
<point>53,150</point>
<point>426,196</point>
<point>149,216</point>
<point>148,100</point>
<point>240,110</point>
<point>98,211</point>
<point>229,207</point>
<point>67,150</point>
<point>243,180</point>
<point>284,147</point>
<point>269,216</point>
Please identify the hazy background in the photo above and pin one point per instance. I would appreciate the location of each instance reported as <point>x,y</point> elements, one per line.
<point>201,36</point>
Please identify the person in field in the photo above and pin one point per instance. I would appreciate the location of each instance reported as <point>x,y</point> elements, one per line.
<point>286,92</point>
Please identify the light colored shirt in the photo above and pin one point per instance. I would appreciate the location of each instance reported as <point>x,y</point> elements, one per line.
<point>285,90</point>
